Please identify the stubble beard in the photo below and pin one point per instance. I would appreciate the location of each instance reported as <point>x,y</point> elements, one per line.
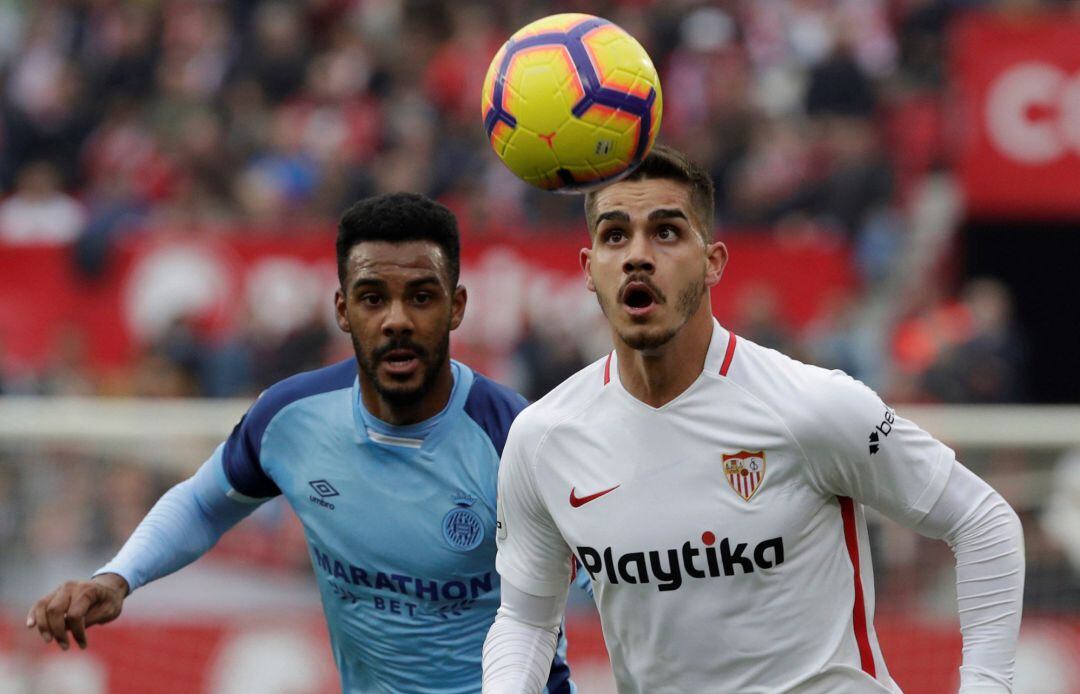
<point>402,395</point>
<point>686,304</point>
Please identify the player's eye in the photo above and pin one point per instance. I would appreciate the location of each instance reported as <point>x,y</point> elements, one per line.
<point>667,233</point>
<point>423,298</point>
<point>613,236</point>
<point>370,299</point>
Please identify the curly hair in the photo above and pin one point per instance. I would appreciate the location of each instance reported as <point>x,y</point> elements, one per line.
<point>397,218</point>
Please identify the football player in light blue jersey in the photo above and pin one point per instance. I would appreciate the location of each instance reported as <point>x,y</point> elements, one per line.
<point>391,467</point>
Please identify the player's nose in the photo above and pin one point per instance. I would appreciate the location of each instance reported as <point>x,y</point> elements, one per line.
<point>397,320</point>
<point>639,256</point>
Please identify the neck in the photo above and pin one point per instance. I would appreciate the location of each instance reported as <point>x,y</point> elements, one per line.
<point>656,377</point>
<point>422,407</point>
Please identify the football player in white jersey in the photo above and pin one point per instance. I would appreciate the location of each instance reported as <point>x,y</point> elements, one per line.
<point>714,489</point>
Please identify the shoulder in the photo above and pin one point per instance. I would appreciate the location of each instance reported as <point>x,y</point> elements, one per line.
<point>567,400</point>
<point>242,452</point>
<point>784,382</point>
<point>814,403</point>
<point>493,407</point>
<point>339,376</point>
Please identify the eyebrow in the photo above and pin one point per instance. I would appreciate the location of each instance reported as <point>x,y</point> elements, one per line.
<point>361,281</point>
<point>620,216</point>
<point>614,215</point>
<point>674,213</point>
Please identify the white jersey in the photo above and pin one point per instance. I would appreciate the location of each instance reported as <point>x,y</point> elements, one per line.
<point>724,531</point>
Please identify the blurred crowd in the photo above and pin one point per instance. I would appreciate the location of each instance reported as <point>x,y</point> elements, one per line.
<point>252,114</point>
<point>815,117</point>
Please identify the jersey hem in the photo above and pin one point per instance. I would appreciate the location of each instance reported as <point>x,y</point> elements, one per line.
<point>526,583</point>
<point>934,488</point>
<point>110,569</point>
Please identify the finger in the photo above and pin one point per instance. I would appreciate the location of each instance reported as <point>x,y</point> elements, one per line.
<point>41,621</point>
<point>78,630</point>
<point>30,621</point>
<point>55,614</point>
<point>82,601</point>
<point>77,612</point>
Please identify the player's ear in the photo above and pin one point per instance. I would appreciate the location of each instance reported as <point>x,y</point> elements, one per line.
<point>716,257</point>
<point>457,306</point>
<point>585,258</point>
<point>341,311</point>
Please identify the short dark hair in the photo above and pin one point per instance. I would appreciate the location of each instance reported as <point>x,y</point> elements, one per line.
<point>397,218</point>
<point>666,162</point>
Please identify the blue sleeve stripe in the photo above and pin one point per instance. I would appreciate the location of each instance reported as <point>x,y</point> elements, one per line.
<point>240,456</point>
<point>559,677</point>
<point>494,408</point>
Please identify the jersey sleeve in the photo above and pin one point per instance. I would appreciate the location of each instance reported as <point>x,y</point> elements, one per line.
<point>240,455</point>
<point>857,446</point>
<point>182,526</point>
<point>532,554</point>
<point>493,407</point>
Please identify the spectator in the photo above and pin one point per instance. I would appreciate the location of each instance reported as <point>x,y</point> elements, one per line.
<point>545,360</point>
<point>832,341</point>
<point>276,52</point>
<point>757,318</point>
<point>838,86</point>
<point>125,48</point>
<point>39,211</point>
<point>987,364</point>
<point>68,370</point>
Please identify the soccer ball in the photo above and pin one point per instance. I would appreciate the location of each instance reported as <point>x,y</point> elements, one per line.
<point>570,102</point>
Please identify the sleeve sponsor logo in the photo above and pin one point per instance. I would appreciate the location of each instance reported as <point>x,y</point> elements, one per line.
<point>500,519</point>
<point>881,431</point>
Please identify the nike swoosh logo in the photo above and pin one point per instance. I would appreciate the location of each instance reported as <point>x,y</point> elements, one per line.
<point>577,501</point>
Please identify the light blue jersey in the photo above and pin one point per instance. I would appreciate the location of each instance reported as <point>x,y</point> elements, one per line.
<point>400,522</point>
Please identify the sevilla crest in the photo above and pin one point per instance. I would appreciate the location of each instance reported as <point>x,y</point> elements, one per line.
<point>744,471</point>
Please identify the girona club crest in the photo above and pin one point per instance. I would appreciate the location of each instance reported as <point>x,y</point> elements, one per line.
<point>744,471</point>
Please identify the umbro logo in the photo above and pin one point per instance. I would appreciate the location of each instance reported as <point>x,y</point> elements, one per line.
<point>881,431</point>
<point>325,490</point>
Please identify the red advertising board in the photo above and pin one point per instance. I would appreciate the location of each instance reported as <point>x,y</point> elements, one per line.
<point>268,285</point>
<point>1016,79</point>
<point>292,653</point>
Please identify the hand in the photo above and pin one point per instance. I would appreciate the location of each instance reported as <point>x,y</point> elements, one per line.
<point>77,605</point>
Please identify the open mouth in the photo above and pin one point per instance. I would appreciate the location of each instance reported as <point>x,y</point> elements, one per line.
<point>400,361</point>
<point>638,298</point>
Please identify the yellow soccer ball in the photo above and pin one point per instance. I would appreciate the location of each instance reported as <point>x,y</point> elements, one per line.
<point>571,102</point>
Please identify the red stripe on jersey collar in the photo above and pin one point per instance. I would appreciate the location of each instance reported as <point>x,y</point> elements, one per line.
<point>728,354</point>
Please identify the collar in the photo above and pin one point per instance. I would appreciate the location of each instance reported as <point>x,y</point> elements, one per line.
<point>717,358</point>
<point>420,435</point>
